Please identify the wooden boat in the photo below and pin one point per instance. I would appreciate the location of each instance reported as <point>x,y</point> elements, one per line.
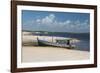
<point>46,43</point>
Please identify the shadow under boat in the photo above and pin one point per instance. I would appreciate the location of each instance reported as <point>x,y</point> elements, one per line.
<point>58,43</point>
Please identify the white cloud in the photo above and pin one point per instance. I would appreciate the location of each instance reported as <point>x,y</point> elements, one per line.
<point>38,20</point>
<point>48,19</point>
<point>67,22</point>
<point>50,23</point>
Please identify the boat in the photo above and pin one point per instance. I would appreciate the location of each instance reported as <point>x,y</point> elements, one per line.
<point>61,43</point>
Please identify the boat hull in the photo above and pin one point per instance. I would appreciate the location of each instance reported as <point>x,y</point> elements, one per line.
<point>45,43</point>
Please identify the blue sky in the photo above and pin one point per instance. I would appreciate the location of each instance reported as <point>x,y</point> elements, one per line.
<point>55,21</point>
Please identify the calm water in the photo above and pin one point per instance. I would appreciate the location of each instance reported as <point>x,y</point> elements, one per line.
<point>84,38</point>
<point>84,43</point>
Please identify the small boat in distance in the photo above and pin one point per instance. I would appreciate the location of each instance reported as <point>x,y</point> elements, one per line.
<point>58,43</point>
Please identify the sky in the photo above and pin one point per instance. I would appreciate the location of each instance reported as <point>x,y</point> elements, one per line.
<point>55,21</point>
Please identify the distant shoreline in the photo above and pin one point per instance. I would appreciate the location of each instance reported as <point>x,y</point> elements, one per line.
<point>56,32</point>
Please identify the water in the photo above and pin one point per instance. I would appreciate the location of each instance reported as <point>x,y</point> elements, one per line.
<point>84,38</point>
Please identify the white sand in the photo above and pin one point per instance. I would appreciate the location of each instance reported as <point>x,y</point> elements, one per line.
<point>40,54</point>
<point>32,53</point>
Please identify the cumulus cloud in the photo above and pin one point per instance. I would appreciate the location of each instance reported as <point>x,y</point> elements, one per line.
<point>47,20</point>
